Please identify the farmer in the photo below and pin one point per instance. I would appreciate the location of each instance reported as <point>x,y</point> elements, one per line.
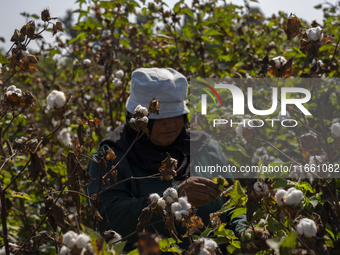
<point>121,206</point>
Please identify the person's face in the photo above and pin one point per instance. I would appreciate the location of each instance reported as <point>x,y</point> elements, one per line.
<point>165,131</point>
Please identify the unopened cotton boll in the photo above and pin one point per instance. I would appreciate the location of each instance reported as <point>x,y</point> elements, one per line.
<point>279,61</point>
<point>119,74</point>
<point>161,202</point>
<point>81,240</point>
<point>293,197</point>
<point>56,99</point>
<point>65,251</point>
<point>335,129</point>
<point>306,227</point>
<point>315,33</point>
<point>280,197</point>
<point>154,197</point>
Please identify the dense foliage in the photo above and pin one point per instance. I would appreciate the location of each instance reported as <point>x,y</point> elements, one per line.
<point>67,97</point>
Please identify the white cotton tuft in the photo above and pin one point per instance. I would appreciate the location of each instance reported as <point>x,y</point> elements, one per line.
<point>176,207</point>
<point>154,198</point>
<point>117,82</point>
<point>204,251</point>
<point>169,199</point>
<point>141,110</point>
<point>56,99</point>
<point>161,202</point>
<point>69,239</point>
<point>315,160</point>
<point>183,201</point>
<point>185,212</point>
<point>306,227</point>
<point>81,240</point>
<point>170,192</point>
<point>315,33</point>
<point>335,129</point>
<point>209,244</point>
<point>178,215</point>
<point>101,79</point>
<point>119,74</point>
<point>239,131</point>
<point>115,239</point>
<point>106,33</point>
<point>293,197</point>
<point>65,251</point>
<point>280,197</point>
<point>145,119</point>
<point>279,61</point>
<point>64,136</point>
<point>13,89</point>
<point>259,190</point>
<point>86,62</point>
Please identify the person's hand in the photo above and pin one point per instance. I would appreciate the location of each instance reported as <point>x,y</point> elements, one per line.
<point>258,243</point>
<point>200,191</point>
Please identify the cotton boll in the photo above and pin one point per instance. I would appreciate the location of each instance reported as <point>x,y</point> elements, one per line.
<point>306,227</point>
<point>279,61</point>
<point>178,215</point>
<point>154,197</point>
<point>86,62</point>
<point>115,239</point>
<point>69,239</point>
<point>176,207</point>
<point>173,193</point>
<point>56,99</point>
<point>101,79</point>
<point>183,201</point>
<point>315,33</point>
<point>161,202</point>
<point>279,197</point>
<point>335,129</point>
<point>293,197</point>
<point>185,212</point>
<point>259,190</point>
<point>315,160</point>
<point>209,244</point>
<point>239,131</point>
<point>141,109</point>
<point>81,240</point>
<point>119,74</point>
<point>204,252</point>
<point>283,117</point>
<point>65,251</point>
<point>64,136</point>
<point>117,82</point>
<point>169,199</point>
<point>145,119</point>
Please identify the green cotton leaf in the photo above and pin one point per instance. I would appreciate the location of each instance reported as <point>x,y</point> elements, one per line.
<point>304,187</point>
<point>133,252</point>
<point>212,32</point>
<point>177,7</point>
<point>205,232</point>
<point>238,212</point>
<point>21,195</point>
<point>97,241</point>
<point>290,240</point>
<point>258,215</point>
<point>188,12</point>
<point>231,249</point>
<point>236,244</point>
<point>119,247</point>
<point>283,183</point>
<point>314,200</point>
<point>319,6</point>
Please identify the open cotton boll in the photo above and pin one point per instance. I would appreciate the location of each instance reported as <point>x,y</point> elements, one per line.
<point>259,190</point>
<point>183,201</point>
<point>154,197</point>
<point>161,202</point>
<point>315,160</point>
<point>117,82</point>
<point>204,252</point>
<point>170,192</point>
<point>69,239</point>
<point>335,129</point>
<point>101,79</point>
<point>141,110</point>
<point>56,99</point>
<point>178,215</point>
<point>306,227</point>
<point>65,251</point>
<point>119,74</point>
<point>115,239</point>
<point>315,33</point>
<point>13,89</point>
<point>279,197</point>
<point>293,197</point>
<point>86,62</point>
<point>176,207</point>
<point>279,61</point>
<point>283,117</point>
<point>239,131</point>
<point>209,244</point>
<point>81,240</point>
<point>64,136</point>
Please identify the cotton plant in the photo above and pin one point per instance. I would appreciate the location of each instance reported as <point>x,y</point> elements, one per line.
<point>292,197</point>
<point>74,243</point>
<point>56,99</point>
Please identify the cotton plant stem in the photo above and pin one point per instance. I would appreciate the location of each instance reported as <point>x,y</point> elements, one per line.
<point>13,180</point>
<point>3,219</point>
<point>47,213</point>
<point>127,151</point>
<point>100,186</point>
